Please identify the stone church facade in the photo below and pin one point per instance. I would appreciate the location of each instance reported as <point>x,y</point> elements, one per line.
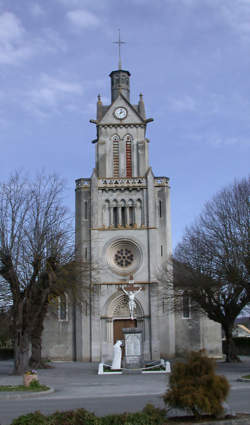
<point>123,228</point>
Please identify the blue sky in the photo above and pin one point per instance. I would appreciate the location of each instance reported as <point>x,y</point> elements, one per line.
<point>190,59</point>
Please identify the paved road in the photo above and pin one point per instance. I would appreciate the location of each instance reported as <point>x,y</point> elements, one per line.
<point>77,385</point>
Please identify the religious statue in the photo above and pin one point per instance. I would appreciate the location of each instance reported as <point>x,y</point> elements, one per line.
<point>131,296</point>
<point>117,355</point>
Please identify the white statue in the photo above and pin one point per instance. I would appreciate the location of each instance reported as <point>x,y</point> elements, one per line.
<point>131,303</point>
<point>117,355</point>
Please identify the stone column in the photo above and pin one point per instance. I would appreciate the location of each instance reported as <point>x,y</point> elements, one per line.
<point>111,215</point>
<point>127,216</point>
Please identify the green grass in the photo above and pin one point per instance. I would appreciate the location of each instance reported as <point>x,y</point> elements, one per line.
<point>246,377</point>
<point>8,388</point>
<point>108,369</point>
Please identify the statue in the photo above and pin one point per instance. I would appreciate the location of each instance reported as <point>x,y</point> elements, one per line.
<point>131,296</point>
<point>117,355</point>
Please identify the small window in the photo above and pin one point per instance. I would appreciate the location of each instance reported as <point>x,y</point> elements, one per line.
<point>128,157</point>
<point>115,211</point>
<point>131,216</point>
<point>161,251</point>
<point>85,210</point>
<point>116,156</point>
<point>86,253</point>
<point>186,306</point>
<point>123,214</point>
<point>160,209</point>
<point>62,308</point>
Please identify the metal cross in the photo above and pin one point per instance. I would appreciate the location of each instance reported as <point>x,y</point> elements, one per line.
<point>119,42</point>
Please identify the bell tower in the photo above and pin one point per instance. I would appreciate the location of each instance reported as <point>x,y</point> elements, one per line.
<point>123,228</point>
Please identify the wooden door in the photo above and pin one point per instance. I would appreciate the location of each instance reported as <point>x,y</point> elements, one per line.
<point>119,324</point>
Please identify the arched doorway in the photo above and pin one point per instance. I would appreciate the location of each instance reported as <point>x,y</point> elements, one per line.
<point>116,317</point>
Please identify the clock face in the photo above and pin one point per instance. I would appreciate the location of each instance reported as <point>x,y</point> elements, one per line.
<point>120,113</point>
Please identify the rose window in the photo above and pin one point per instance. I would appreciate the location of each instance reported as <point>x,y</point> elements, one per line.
<point>124,257</point>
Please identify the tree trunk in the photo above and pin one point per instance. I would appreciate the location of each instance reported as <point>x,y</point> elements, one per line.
<point>231,355</point>
<point>36,340</point>
<point>21,352</point>
<point>35,360</point>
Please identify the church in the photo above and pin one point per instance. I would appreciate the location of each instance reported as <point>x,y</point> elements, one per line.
<point>123,230</point>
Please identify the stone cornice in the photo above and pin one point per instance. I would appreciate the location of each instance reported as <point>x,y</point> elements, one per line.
<point>121,125</point>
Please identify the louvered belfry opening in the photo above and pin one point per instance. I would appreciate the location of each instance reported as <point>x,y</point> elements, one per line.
<point>128,157</point>
<point>116,156</point>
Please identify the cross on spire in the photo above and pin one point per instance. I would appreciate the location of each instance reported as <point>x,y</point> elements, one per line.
<point>119,42</point>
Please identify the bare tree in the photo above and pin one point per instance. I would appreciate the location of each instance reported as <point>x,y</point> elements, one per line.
<point>35,242</point>
<point>211,264</point>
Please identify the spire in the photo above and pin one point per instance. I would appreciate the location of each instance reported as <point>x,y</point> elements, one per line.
<point>99,108</point>
<point>119,42</point>
<point>141,107</point>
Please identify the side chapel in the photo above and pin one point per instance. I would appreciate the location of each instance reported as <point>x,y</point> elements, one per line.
<point>123,227</point>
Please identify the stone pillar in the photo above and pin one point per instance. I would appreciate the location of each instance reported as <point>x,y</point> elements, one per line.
<point>111,215</point>
<point>127,216</point>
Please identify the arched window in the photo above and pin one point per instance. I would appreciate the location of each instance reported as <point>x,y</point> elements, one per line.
<point>138,213</point>
<point>63,308</point>
<point>123,213</point>
<point>131,213</point>
<point>160,208</point>
<point>115,214</point>
<point>128,157</point>
<point>116,162</point>
<point>85,210</point>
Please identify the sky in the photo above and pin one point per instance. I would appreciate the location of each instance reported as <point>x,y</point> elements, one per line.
<point>189,58</point>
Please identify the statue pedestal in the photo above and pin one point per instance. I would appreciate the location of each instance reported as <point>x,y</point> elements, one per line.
<point>133,348</point>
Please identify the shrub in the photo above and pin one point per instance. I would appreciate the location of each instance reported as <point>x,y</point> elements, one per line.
<point>31,419</point>
<point>73,417</point>
<point>195,386</point>
<point>149,416</point>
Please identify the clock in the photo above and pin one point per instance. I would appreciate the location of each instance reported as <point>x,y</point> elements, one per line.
<point>120,113</point>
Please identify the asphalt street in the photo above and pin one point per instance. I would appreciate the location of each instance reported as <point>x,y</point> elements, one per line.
<point>78,385</point>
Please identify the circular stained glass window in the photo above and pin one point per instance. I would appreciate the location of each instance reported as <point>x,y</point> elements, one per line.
<point>124,257</point>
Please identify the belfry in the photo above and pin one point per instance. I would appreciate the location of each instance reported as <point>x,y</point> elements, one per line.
<point>123,228</point>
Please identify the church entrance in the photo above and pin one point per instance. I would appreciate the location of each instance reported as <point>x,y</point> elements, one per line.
<point>119,324</point>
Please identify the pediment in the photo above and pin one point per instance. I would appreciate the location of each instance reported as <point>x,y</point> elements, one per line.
<point>133,117</point>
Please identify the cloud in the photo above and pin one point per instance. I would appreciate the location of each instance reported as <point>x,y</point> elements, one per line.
<point>218,141</point>
<point>50,41</point>
<point>36,10</point>
<point>82,19</point>
<point>234,13</point>
<point>50,95</point>
<point>17,45</point>
<point>97,4</point>
<point>186,103</point>
<point>237,16</point>
<point>13,47</point>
